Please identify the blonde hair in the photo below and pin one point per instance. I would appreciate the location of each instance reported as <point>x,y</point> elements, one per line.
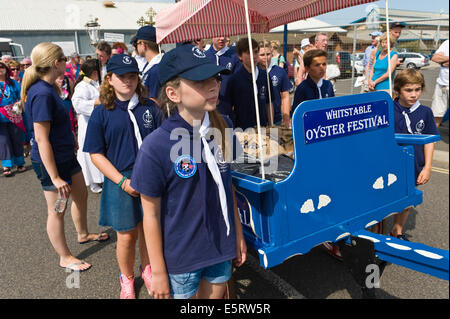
<point>216,120</point>
<point>275,45</point>
<point>43,57</point>
<point>384,38</point>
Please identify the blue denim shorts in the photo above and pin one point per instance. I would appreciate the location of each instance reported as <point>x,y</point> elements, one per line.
<point>184,286</point>
<point>65,170</point>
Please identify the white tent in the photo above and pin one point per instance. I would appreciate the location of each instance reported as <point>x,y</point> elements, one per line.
<point>310,25</point>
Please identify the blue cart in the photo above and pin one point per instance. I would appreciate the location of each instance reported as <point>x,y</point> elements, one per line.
<point>350,172</point>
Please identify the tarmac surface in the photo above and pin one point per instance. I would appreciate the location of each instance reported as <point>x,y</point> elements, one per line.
<point>29,265</point>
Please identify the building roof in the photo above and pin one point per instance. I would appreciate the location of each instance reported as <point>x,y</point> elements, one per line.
<point>310,25</point>
<point>405,15</point>
<point>57,15</point>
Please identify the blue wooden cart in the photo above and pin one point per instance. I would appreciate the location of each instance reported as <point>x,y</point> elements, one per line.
<point>350,172</point>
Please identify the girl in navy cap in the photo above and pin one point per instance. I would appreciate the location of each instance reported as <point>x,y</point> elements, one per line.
<point>191,224</point>
<point>114,134</point>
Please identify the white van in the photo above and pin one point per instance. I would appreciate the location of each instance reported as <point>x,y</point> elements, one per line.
<point>7,47</point>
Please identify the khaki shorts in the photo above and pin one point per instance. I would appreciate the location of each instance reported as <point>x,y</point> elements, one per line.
<point>440,100</point>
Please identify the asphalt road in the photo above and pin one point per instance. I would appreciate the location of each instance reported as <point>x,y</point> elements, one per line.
<point>29,265</point>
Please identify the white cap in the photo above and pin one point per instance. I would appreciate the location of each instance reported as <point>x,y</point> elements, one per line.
<point>304,43</point>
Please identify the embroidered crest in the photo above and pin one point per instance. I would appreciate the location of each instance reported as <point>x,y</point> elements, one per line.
<point>185,166</point>
<point>198,53</point>
<point>274,81</point>
<point>229,66</point>
<point>126,59</point>
<point>147,117</point>
<point>420,126</point>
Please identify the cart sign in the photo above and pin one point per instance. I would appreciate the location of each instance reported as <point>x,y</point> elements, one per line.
<point>342,121</point>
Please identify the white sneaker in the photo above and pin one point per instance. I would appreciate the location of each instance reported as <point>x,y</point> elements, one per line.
<point>95,188</point>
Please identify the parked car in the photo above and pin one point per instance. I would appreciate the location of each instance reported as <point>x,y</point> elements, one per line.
<point>357,62</point>
<point>343,61</point>
<point>413,60</point>
<point>8,47</point>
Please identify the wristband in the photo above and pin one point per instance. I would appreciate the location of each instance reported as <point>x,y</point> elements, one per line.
<point>121,182</point>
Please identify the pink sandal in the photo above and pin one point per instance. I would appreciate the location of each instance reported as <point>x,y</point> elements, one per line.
<point>146,275</point>
<point>127,285</point>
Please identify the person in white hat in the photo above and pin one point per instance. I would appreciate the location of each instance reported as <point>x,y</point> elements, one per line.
<point>299,68</point>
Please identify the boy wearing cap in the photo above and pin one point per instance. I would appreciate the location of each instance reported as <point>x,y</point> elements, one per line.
<point>148,49</point>
<point>239,102</point>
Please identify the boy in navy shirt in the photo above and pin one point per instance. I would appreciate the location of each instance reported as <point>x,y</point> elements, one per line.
<point>413,118</point>
<point>222,55</point>
<point>314,87</point>
<point>148,49</point>
<point>239,102</point>
<point>280,86</point>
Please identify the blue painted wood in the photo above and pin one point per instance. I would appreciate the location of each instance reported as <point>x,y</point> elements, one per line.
<point>340,184</point>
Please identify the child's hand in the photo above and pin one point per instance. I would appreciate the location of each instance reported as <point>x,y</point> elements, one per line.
<point>424,176</point>
<point>241,251</point>
<point>160,286</point>
<point>127,188</point>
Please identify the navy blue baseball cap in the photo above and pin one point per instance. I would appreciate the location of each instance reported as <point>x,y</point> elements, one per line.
<point>147,33</point>
<point>121,64</point>
<point>188,62</point>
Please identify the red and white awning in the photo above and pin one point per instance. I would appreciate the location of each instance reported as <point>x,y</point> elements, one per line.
<point>194,19</point>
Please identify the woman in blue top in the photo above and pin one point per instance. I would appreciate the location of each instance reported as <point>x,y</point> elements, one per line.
<point>191,224</point>
<point>379,73</point>
<point>53,148</point>
<point>114,134</point>
<point>11,124</point>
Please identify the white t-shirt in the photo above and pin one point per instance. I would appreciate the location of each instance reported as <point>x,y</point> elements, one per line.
<point>443,73</point>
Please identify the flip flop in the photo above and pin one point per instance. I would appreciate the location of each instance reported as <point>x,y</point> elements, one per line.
<point>7,172</point>
<point>74,267</point>
<point>21,169</point>
<point>99,238</point>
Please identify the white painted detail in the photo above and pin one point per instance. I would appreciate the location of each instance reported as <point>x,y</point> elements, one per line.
<point>324,200</point>
<point>379,183</point>
<point>391,179</point>
<point>373,222</point>
<point>369,238</point>
<point>397,246</point>
<point>428,254</point>
<point>307,207</point>
<point>265,257</point>
<point>342,236</point>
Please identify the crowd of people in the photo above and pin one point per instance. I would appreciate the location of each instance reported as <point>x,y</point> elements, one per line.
<point>106,123</point>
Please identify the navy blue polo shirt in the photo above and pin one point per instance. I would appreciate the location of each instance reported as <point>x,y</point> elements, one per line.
<point>422,122</point>
<point>111,132</point>
<point>229,60</point>
<point>151,81</point>
<point>280,83</point>
<point>45,105</point>
<point>239,98</point>
<point>308,90</point>
<point>193,227</point>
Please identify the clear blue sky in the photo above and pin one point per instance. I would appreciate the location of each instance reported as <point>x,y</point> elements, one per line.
<point>345,16</point>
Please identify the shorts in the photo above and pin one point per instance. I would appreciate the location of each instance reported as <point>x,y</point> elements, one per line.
<point>65,170</point>
<point>184,286</point>
<point>440,100</point>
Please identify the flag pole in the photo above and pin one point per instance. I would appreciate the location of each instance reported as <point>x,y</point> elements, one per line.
<point>255,90</point>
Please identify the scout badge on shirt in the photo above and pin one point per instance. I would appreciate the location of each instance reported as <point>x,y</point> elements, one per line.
<point>185,166</point>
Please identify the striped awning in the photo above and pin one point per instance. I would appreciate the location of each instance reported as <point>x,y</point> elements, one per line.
<point>194,19</point>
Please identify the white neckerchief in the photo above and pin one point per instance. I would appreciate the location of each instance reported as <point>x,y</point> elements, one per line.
<point>220,53</point>
<point>214,170</point>
<point>131,105</point>
<point>156,59</point>
<point>408,121</point>
<point>319,85</point>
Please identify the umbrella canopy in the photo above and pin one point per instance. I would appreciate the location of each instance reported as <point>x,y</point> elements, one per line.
<point>193,19</point>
